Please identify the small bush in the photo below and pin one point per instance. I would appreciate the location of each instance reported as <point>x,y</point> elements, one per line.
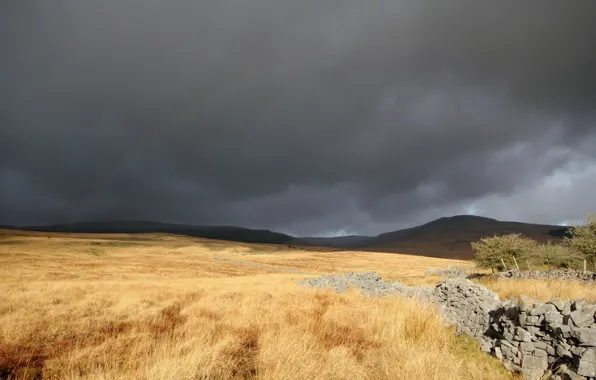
<point>555,255</point>
<point>583,239</point>
<point>491,252</point>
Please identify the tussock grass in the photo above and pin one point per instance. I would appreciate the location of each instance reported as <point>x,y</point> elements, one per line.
<point>235,330</point>
<point>164,310</point>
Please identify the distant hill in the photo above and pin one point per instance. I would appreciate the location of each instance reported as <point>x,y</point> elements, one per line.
<point>448,237</point>
<point>334,242</point>
<point>451,236</point>
<point>230,233</point>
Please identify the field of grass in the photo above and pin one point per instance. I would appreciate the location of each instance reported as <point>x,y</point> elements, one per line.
<point>542,290</point>
<point>158,307</point>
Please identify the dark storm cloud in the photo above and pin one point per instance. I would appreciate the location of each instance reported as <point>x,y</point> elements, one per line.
<point>306,117</point>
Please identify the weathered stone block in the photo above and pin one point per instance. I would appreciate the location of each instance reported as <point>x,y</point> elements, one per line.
<point>585,336</point>
<point>533,367</point>
<point>538,309</point>
<point>540,353</point>
<point>563,331</point>
<point>533,330</point>
<point>578,351</point>
<point>558,303</point>
<point>540,345</point>
<point>506,351</point>
<point>553,319</point>
<point>562,350</point>
<point>578,304</point>
<point>587,364</point>
<point>532,320</point>
<point>582,318</point>
<point>526,347</point>
<point>522,335</point>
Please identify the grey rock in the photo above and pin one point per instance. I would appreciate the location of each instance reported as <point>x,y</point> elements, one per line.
<point>582,318</point>
<point>566,309</point>
<point>532,320</point>
<point>540,345</point>
<point>558,303</point>
<point>578,351</point>
<point>511,366</point>
<point>486,347</point>
<point>534,367</point>
<point>526,347</point>
<point>587,364</point>
<point>522,335</point>
<point>538,309</point>
<point>590,309</point>
<point>553,319</point>
<point>578,304</point>
<point>563,331</point>
<point>540,353</point>
<point>562,350</point>
<point>585,336</point>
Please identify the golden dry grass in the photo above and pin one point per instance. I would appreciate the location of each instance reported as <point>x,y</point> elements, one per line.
<point>391,266</point>
<point>542,290</point>
<point>157,307</point>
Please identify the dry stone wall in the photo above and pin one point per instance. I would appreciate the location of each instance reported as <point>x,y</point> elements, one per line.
<point>557,274</point>
<point>556,339</point>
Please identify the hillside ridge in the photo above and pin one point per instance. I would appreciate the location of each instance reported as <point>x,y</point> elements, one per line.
<point>448,237</point>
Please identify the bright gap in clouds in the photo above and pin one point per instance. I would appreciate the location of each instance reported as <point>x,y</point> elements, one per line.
<point>338,233</point>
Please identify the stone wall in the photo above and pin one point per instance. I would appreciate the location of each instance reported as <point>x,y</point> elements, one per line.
<point>555,339</point>
<point>557,274</point>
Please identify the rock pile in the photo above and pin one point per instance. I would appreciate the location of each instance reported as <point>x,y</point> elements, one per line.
<point>467,305</point>
<point>456,273</point>
<point>369,283</point>
<point>557,274</point>
<point>557,338</point>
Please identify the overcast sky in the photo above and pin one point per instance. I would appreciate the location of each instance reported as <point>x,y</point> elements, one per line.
<point>307,117</point>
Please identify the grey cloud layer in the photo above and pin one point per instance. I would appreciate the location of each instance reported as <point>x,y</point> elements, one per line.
<point>304,117</point>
